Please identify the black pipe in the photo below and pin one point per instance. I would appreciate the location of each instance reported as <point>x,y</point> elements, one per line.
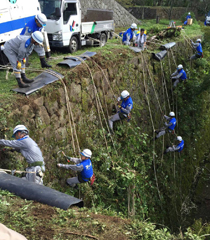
<point>33,191</point>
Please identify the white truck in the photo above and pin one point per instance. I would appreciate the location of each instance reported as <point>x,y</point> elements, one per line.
<point>14,14</point>
<point>66,29</point>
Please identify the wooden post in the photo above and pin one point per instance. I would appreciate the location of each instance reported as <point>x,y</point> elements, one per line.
<point>157,19</point>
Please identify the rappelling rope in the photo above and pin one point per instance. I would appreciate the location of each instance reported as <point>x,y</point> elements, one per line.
<point>164,83</point>
<point>152,82</point>
<point>70,114</point>
<point>98,104</point>
<point>172,92</point>
<point>153,152</point>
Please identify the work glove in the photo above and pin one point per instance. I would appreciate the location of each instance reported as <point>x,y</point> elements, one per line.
<point>24,61</point>
<point>119,99</point>
<point>119,107</point>
<point>18,65</point>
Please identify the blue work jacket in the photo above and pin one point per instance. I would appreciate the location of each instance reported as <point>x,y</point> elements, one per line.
<point>129,32</point>
<point>87,171</point>
<point>184,75</point>
<point>181,145</point>
<point>173,121</point>
<point>30,27</point>
<point>199,49</point>
<point>128,102</point>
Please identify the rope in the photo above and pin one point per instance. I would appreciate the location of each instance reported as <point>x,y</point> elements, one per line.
<point>153,152</point>
<point>98,104</point>
<point>147,97</point>
<point>152,83</point>
<point>164,83</point>
<point>172,92</point>
<point>70,114</point>
<point>18,171</point>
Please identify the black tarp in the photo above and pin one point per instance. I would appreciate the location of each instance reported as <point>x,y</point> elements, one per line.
<point>136,49</point>
<point>159,56</point>
<point>39,82</point>
<point>33,191</point>
<point>167,45</point>
<point>72,61</point>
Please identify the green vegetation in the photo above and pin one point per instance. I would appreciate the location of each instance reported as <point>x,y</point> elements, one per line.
<point>136,185</point>
<point>36,221</point>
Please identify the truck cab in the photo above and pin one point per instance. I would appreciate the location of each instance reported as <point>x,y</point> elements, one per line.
<point>65,27</point>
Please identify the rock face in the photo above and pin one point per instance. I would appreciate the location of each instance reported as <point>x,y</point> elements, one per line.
<point>121,16</point>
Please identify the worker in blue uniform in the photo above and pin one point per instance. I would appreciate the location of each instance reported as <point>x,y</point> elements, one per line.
<point>124,109</point>
<point>37,24</point>
<point>179,75</point>
<point>176,148</point>
<point>129,35</point>
<point>188,16</point>
<point>83,167</point>
<point>198,48</point>
<point>169,126</point>
<point>141,39</point>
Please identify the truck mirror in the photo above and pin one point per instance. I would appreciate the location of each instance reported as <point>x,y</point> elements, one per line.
<point>57,13</point>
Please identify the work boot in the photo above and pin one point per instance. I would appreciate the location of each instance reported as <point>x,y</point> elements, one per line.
<point>25,79</point>
<point>21,84</point>
<point>44,63</point>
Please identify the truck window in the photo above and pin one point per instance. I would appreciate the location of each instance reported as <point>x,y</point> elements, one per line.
<point>70,9</point>
<point>48,7</point>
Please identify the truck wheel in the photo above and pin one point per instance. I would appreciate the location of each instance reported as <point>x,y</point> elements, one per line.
<point>103,40</point>
<point>73,45</point>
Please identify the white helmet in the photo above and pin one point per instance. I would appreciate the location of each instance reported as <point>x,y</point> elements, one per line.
<point>198,40</point>
<point>133,26</point>
<point>19,128</point>
<point>38,37</point>
<point>188,13</point>
<point>41,18</point>
<point>180,66</point>
<point>172,114</point>
<point>125,94</point>
<point>86,153</point>
<point>179,138</point>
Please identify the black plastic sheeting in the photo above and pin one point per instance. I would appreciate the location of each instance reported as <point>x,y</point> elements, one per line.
<point>136,49</point>
<point>159,56</point>
<point>167,45</point>
<point>73,61</point>
<point>39,82</point>
<point>33,191</point>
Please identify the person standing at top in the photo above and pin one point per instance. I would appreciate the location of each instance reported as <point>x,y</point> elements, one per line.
<point>129,35</point>
<point>188,16</point>
<point>37,24</point>
<point>141,39</point>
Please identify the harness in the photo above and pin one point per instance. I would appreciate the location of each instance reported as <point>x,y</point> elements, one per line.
<point>35,164</point>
